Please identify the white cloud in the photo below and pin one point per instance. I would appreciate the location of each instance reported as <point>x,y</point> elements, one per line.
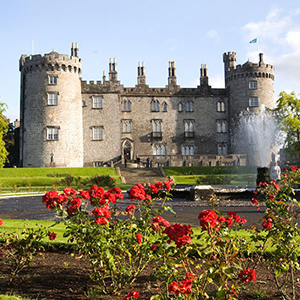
<point>279,39</point>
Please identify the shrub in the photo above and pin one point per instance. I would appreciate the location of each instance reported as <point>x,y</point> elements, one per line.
<point>212,179</point>
<point>103,180</point>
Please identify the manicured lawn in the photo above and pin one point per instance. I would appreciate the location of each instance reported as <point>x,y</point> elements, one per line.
<point>234,176</point>
<point>16,180</point>
<point>12,225</point>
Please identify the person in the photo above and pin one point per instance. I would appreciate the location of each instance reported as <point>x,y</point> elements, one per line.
<point>275,172</point>
<point>138,160</point>
<point>148,162</point>
<point>125,162</point>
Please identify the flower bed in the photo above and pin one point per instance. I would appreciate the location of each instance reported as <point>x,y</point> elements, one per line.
<point>121,246</point>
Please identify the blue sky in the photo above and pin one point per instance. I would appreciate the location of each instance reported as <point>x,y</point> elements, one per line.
<point>190,32</point>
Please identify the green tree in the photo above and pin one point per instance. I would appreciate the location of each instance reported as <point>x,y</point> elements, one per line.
<point>287,113</point>
<point>3,130</point>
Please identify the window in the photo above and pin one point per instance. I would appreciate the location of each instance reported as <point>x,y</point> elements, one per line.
<point>52,98</point>
<point>154,105</point>
<point>126,105</point>
<point>159,151</point>
<point>52,133</point>
<point>221,126</point>
<point>156,128</point>
<point>98,163</point>
<point>52,79</point>
<point>97,101</point>
<point>220,106</point>
<point>253,101</point>
<point>165,107</point>
<point>180,107</point>
<point>189,128</point>
<point>252,85</point>
<point>190,106</point>
<point>156,125</point>
<point>83,103</point>
<point>222,149</point>
<point>126,126</point>
<point>187,150</point>
<point>97,133</point>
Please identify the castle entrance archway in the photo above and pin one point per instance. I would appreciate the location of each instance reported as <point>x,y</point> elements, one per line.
<point>127,150</point>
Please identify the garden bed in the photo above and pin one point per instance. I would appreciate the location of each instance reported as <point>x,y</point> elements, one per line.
<point>61,276</point>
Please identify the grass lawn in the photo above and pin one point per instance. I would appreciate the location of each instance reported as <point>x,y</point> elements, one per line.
<point>12,225</point>
<point>24,180</point>
<point>233,176</point>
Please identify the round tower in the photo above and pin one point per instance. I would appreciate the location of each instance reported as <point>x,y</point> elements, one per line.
<point>51,110</point>
<point>249,86</point>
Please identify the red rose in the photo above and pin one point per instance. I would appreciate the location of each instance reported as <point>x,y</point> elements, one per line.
<point>247,275</point>
<point>209,219</point>
<point>139,238</point>
<point>173,287</point>
<point>101,221</point>
<point>276,186</point>
<point>179,233</point>
<point>294,168</point>
<point>267,224</point>
<point>153,247</point>
<point>52,236</point>
<point>70,192</point>
<point>157,222</point>
<point>130,209</point>
<point>1,222</point>
<point>229,221</point>
<point>133,294</point>
<point>85,194</point>
<point>103,211</point>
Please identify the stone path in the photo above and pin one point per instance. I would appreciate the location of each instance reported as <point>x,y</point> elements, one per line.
<point>134,175</point>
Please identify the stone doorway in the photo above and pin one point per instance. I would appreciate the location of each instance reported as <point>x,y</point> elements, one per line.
<point>127,150</point>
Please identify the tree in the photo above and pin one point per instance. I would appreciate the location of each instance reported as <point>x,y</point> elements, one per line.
<point>287,113</point>
<point>3,130</point>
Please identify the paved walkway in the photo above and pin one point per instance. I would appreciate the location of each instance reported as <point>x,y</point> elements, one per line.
<point>32,208</point>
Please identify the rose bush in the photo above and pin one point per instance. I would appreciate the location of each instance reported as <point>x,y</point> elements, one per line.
<point>280,229</point>
<point>118,243</point>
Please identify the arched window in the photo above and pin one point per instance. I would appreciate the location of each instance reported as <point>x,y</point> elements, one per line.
<point>126,105</point>
<point>180,107</point>
<point>165,107</point>
<point>221,126</point>
<point>154,105</point>
<point>222,149</point>
<point>187,150</point>
<point>160,150</point>
<point>220,106</point>
<point>190,106</point>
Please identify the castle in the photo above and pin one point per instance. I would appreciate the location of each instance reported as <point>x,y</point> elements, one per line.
<point>68,122</point>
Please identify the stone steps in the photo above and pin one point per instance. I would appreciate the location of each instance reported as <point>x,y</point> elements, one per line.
<point>134,176</point>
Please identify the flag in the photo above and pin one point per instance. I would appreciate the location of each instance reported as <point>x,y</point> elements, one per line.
<point>253,41</point>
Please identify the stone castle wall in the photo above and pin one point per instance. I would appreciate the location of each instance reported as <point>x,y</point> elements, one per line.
<point>77,119</point>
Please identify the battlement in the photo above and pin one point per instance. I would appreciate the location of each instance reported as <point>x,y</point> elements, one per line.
<point>248,69</point>
<point>100,87</point>
<point>52,61</point>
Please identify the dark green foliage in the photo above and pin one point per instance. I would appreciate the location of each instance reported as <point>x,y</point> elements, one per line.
<point>103,180</point>
<point>211,179</point>
<point>173,171</point>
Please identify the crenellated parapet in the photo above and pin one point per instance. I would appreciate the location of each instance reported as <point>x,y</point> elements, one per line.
<point>99,87</point>
<point>52,61</point>
<point>247,70</point>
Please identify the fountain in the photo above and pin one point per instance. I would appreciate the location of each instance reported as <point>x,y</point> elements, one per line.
<point>261,131</point>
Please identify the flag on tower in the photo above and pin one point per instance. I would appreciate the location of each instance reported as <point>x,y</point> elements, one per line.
<point>253,41</point>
